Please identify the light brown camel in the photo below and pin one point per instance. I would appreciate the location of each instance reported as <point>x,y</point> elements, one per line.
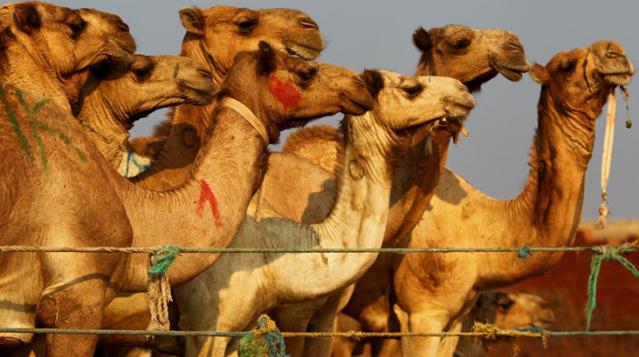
<point>508,311</point>
<point>71,289</point>
<point>114,99</point>
<point>239,288</point>
<point>471,55</point>
<point>46,51</point>
<point>436,290</point>
<point>213,37</point>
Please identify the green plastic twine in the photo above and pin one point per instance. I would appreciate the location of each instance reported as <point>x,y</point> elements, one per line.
<point>601,254</point>
<point>162,260</point>
<point>267,341</point>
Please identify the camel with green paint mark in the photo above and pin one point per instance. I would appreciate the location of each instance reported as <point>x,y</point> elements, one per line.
<point>113,100</point>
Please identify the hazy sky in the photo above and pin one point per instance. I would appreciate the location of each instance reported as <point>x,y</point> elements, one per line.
<point>365,33</point>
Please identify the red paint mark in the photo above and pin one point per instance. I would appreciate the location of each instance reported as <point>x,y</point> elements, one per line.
<point>206,195</point>
<point>284,92</point>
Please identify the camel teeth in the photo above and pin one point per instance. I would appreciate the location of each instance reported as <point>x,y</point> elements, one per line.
<point>465,131</point>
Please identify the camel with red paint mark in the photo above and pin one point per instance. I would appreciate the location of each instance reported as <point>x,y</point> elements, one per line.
<point>213,37</point>
<point>70,290</point>
<point>239,288</point>
<point>436,290</point>
<point>113,100</point>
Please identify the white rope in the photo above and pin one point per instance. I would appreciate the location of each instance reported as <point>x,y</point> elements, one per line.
<point>606,158</point>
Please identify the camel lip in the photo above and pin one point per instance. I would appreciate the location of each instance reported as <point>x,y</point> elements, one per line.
<point>616,78</point>
<point>512,71</point>
<point>301,50</point>
<point>360,105</point>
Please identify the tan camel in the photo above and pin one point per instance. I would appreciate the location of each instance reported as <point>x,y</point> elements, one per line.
<point>41,45</point>
<point>508,311</point>
<point>213,37</point>
<point>239,288</point>
<point>436,290</point>
<point>484,54</point>
<point>70,290</point>
<point>113,100</point>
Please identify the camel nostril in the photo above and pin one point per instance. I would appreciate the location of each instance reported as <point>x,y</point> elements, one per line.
<point>514,45</point>
<point>205,73</point>
<point>308,23</point>
<point>122,26</point>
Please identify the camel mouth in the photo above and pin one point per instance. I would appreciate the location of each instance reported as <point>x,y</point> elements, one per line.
<point>356,106</point>
<point>199,95</point>
<point>617,79</point>
<point>304,51</point>
<point>512,71</point>
<point>474,85</point>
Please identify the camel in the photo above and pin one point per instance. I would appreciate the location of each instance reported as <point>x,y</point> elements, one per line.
<point>504,310</point>
<point>481,55</point>
<point>206,211</point>
<point>114,99</point>
<point>436,290</point>
<point>239,288</point>
<point>46,51</point>
<point>213,37</point>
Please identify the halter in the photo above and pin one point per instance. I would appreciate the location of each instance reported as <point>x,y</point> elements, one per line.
<point>248,115</point>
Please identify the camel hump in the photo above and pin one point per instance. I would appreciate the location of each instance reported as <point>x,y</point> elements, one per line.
<point>318,144</point>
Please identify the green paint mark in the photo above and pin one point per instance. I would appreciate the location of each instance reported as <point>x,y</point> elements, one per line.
<point>22,139</point>
<point>35,126</point>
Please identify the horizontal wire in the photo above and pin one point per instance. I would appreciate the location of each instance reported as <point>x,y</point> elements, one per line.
<point>505,333</point>
<point>148,250</point>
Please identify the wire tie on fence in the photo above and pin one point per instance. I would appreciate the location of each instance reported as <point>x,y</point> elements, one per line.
<point>159,288</point>
<point>267,340</point>
<point>493,333</point>
<point>524,252</point>
<point>600,254</point>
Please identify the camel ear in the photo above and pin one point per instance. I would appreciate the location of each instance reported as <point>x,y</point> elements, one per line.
<point>374,81</point>
<point>26,18</point>
<point>265,59</point>
<point>539,74</point>
<point>421,39</point>
<point>192,20</point>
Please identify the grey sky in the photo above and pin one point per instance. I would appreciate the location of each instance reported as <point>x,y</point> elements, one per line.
<point>361,33</point>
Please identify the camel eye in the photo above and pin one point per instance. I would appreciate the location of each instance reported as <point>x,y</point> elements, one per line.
<point>246,26</point>
<point>567,67</point>
<point>77,27</point>
<point>413,91</point>
<point>460,44</point>
<point>504,304</point>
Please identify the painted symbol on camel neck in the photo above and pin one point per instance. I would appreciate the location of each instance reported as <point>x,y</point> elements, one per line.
<point>284,92</point>
<point>206,195</point>
<point>36,127</point>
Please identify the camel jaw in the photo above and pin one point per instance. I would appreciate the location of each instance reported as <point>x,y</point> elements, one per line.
<point>512,71</point>
<point>301,50</point>
<point>616,79</point>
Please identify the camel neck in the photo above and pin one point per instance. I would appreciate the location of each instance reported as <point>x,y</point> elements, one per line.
<point>28,72</point>
<point>204,212</point>
<point>548,211</point>
<point>101,120</point>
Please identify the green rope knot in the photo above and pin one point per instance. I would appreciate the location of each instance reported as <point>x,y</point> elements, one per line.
<point>524,252</point>
<point>602,253</point>
<point>266,341</point>
<point>162,259</point>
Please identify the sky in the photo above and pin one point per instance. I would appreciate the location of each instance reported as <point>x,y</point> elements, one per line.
<point>377,34</point>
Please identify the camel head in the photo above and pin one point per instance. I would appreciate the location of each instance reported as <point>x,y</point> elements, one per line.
<point>107,39</point>
<point>288,91</point>
<point>474,56</point>
<point>151,83</point>
<point>582,78</point>
<point>517,310</point>
<point>409,101</point>
<point>219,33</point>
<point>56,36</point>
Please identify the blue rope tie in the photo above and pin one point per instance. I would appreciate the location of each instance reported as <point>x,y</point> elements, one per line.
<point>524,252</point>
